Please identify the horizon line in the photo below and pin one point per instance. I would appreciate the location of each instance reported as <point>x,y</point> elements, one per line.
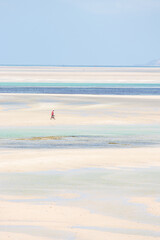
<point>45,65</point>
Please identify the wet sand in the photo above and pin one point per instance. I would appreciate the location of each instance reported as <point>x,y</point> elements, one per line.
<point>65,159</point>
<point>86,204</point>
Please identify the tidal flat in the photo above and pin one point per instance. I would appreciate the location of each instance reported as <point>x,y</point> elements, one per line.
<point>94,172</point>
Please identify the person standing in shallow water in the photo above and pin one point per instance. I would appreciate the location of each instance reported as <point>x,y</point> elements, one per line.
<point>52,115</point>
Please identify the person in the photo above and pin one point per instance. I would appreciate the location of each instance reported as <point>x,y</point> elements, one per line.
<point>52,115</point>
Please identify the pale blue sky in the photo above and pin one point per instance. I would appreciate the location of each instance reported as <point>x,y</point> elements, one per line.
<point>79,32</point>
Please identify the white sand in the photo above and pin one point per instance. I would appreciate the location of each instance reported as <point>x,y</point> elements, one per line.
<point>66,159</point>
<point>71,219</point>
<point>78,109</point>
<point>82,74</point>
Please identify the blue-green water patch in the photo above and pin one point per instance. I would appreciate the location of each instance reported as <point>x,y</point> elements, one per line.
<point>81,136</point>
<point>80,130</point>
<point>95,85</point>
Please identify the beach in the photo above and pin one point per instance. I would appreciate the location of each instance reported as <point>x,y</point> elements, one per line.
<point>35,110</point>
<point>91,173</point>
<point>79,74</point>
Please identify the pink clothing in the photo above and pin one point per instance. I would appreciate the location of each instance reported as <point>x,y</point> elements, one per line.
<point>52,114</point>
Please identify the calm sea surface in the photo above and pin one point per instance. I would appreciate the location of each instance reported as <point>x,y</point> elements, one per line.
<point>81,88</point>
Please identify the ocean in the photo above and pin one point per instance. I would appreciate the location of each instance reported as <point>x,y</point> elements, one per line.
<point>81,88</point>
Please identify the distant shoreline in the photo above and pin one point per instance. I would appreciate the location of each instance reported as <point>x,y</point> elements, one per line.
<point>81,66</point>
<point>80,74</point>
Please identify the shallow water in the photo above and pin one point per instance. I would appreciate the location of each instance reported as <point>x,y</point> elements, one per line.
<point>83,90</point>
<point>96,136</point>
<point>81,130</point>
<point>128,181</point>
<point>103,191</point>
<point>81,85</point>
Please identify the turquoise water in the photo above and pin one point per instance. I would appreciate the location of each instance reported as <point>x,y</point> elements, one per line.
<point>96,85</point>
<point>101,136</point>
<point>80,130</point>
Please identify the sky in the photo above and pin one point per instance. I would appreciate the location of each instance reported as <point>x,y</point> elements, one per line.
<point>79,32</point>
